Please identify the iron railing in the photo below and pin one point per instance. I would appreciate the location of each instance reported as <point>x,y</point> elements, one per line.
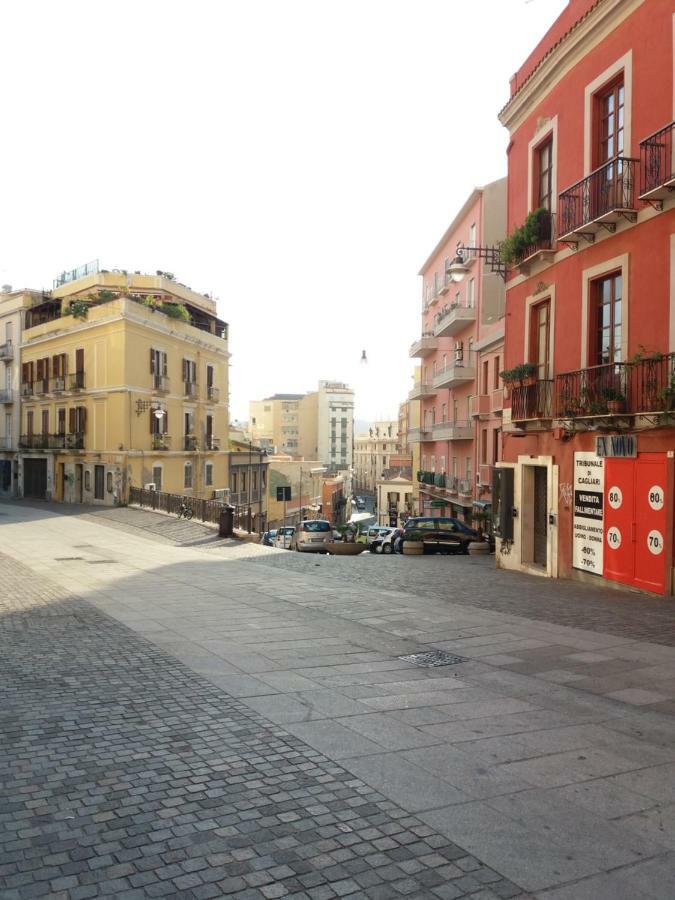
<point>160,382</point>
<point>189,442</point>
<point>76,382</point>
<point>532,401</point>
<point>434,479</point>
<point>191,388</point>
<point>642,386</point>
<point>41,386</point>
<point>7,350</point>
<point>211,442</point>
<point>58,385</point>
<point>73,441</point>
<point>610,188</point>
<point>657,167</point>
<point>161,442</point>
<point>6,397</point>
<point>547,238</point>
<point>26,389</point>
<point>205,510</point>
<point>212,393</point>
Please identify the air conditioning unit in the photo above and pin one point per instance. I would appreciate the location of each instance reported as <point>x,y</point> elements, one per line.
<point>222,494</point>
<point>151,486</point>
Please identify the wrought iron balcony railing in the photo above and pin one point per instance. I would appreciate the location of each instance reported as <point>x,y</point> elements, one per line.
<point>212,393</point>
<point>657,166</point>
<point>76,381</point>
<point>26,389</point>
<point>160,382</point>
<point>532,401</point>
<point>161,442</point>
<point>7,350</point>
<point>191,388</point>
<point>6,397</point>
<point>601,198</point>
<point>211,442</point>
<point>58,385</point>
<point>41,386</point>
<point>74,441</point>
<point>189,442</point>
<point>640,387</point>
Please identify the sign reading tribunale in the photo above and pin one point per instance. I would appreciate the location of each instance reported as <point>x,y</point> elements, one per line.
<point>587,529</point>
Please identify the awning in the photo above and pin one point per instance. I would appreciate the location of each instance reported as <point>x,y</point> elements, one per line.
<point>482,504</point>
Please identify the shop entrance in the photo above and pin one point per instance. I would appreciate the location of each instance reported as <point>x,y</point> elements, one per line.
<point>35,478</point>
<point>535,516</point>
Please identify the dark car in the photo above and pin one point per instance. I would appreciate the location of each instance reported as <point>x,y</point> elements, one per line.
<point>268,537</point>
<point>441,534</point>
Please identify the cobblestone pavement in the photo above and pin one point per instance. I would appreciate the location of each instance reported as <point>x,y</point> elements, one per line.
<point>123,773</point>
<point>470,581</point>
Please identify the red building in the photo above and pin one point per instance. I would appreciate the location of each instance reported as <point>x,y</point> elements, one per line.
<point>586,483</point>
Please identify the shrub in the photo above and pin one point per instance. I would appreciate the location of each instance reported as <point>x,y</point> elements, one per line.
<point>176,311</point>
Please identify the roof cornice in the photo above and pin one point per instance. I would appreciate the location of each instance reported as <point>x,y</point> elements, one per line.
<point>599,20</point>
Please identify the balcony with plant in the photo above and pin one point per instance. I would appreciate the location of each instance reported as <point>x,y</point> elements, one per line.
<point>533,238</point>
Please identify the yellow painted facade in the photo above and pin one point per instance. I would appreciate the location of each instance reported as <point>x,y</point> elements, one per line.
<point>125,395</point>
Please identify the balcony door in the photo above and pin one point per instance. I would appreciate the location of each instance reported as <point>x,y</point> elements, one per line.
<point>540,335</point>
<point>606,295</point>
<point>609,149</point>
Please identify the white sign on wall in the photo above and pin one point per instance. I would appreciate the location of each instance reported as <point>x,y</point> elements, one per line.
<point>587,528</point>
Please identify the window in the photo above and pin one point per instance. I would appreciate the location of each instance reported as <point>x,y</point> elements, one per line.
<point>495,445</point>
<point>77,420</point>
<point>484,389</point>
<point>187,476</point>
<point>189,371</point>
<point>605,335</point>
<point>484,446</point>
<point>45,421</point>
<point>109,482</point>
<point>443,412</point>
<point>544,164</point>
<point>208,474</point>
<point>233,482</point>
<point>471,293</point>
<point>158,365</point>
<point>159,424</point>
<point>496,373</point>
<point>454,467</point>
<point>61,420</point>
<point>540,332</point>
<point>610,122</point>
<point>443,464</point>
<point>472,235</point>
<point>467,467</point>
<point>29,422</point>
<point>157,477</point>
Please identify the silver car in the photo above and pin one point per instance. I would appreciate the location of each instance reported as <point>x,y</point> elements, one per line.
<point>312,535</point>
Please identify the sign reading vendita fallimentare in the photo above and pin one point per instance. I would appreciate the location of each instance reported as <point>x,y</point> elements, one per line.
<point>587,528</point>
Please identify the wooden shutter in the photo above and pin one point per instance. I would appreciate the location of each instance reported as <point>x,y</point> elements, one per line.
<point>209,376</point>
<point>152,361</point>
<point>26,373</point>
<point>186,370</point>
<point>56,365</point>
<point>61,428</point>
<point>71,420</point>
<point>29,422</point>
<point>79,359</point>
<point>164,364</point>
<point>165,422</point>
<point>83,418</point>
<point>40,371</point>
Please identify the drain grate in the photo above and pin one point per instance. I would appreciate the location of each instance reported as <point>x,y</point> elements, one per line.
<point>430,659</point>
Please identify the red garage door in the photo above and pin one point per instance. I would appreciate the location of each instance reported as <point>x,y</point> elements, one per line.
<point>635,521</point>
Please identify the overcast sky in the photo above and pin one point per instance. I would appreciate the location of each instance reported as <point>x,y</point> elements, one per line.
<point>298,159</point>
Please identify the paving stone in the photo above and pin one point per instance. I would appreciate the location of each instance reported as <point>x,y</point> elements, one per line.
<point>151,781</point>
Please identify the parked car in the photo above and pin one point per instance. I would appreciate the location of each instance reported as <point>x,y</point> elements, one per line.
<point>268,537</point>
<point>387,543</point>
<point>375,532</point>
<point>312,535</point>
<point>282,538</point>
<point>360,503</point>
<point>442,534</point>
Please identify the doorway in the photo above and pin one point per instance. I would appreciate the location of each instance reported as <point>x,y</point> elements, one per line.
<point>539,556</point>
<point>99,482</point>
<point>35,478</point>
<point>78,483</point>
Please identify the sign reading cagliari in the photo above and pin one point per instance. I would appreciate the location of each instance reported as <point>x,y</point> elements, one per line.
<point>587,531</point>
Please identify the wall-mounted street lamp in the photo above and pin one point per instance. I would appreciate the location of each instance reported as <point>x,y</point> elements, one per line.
<point>144,405</point>
<point>458,268</point>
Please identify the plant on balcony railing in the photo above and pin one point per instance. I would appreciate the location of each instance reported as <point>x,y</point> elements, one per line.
<point>533,235</point>
<point>520,374</point>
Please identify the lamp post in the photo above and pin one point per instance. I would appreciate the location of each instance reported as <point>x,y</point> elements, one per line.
<point>458,268</point>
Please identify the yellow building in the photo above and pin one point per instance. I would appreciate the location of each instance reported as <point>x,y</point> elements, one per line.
<point>274,422</point>
<point>124,382</point>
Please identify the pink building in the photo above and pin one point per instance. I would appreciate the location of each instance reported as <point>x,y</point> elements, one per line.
<point>461,353</point>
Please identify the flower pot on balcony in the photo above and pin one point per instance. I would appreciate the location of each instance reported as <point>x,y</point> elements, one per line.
<point>614,407</point>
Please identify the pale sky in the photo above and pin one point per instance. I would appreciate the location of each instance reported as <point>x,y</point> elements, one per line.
<point>298,159</point>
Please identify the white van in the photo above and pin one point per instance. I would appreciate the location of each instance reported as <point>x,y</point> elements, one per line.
<point>312,535</point>
<point>283,537</point>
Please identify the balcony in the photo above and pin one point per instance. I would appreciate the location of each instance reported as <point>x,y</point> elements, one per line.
<point>161,442</point>
<point>417,435</point>
<point>7,351</point>
<point>453,319</point>
<point>426,345</point>
<point>76,382</point>
<point>542,248</point>
<point>643,387</point>
<point>191,389</point>
<point>497,401</point>
<point>452,376</point>
<point>27,389</point>
<point>599,200</point>
<point>657,167</point>
<point>532,401</point>
<point>453,431</point>
<point>6,397</point>
<point>161,383</point>
<point>211,442</point>
<point>480,406</point>
<point>465,487</point>
<point>212,393</point>
<point>433,479</point>
<point>422,390</point>
<point>58,385</point>
<point>41,386</point>
<point>74,441</point>
<point>190,442</point>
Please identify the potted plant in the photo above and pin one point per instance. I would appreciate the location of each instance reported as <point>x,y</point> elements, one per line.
<point>615,400</point>
<point>667,394</point>
<point>413,542</point>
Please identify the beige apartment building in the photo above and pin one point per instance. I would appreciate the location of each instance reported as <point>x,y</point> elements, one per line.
<point>123,383</point>
<point>373,452</point>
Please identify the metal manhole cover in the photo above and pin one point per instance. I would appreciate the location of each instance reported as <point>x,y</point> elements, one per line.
<point>432,658</point>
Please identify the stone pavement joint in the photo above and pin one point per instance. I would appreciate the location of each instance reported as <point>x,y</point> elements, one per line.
<point>123,772</point>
